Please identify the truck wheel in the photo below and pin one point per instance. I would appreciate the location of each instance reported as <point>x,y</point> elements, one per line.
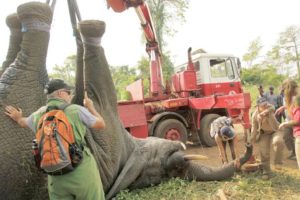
<point>171,129</point>
<point>204,132</point>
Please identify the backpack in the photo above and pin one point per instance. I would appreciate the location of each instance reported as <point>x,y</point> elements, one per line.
<point>58,153</point>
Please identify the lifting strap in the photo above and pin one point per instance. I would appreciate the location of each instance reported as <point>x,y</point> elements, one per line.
<point>75,17</point>
<point>52,4</point>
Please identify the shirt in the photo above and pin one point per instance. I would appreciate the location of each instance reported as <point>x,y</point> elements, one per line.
<point>85,116</point>
<point>268,123</point>
<point>296,117</point>
<point>272,99</point>
<point>218,123</point>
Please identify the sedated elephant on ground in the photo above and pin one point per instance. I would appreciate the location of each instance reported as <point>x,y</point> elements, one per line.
<point>123,161</point>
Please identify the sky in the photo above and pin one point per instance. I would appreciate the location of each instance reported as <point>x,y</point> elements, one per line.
<point>218,26</point>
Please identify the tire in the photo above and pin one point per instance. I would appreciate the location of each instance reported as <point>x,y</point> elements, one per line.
<point>171,129</point>
<point>204,132</point>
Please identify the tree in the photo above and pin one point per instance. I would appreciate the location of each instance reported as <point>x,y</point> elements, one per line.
<point>168,68</point>
<point>143,67</point>
<point>144,73</point>
<point>123,76</point>
<point>253,51</point>
<point>275,57</point>
<point>67,71</point>
<point>288,42</point>
<point>267,76</point>
<point>164,14</point>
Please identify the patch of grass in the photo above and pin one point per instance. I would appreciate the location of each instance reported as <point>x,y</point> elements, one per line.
<point>284,184</point>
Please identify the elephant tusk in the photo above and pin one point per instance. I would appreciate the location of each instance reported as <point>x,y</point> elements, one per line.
<point>251,165</point>
<point>183,146</point>
<point>195,157</point>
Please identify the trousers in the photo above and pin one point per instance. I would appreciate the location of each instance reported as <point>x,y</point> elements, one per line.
<point>266,142</point>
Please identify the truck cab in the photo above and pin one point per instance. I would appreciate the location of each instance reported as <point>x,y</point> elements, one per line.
<point>216,74</point>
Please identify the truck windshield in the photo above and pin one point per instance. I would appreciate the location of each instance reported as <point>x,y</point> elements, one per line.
<point>221,68</point>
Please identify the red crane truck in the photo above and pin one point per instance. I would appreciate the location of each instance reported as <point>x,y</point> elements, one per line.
<point>206,87</point>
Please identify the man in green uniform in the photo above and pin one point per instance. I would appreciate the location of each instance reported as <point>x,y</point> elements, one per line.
<point>265,133</point>
<point>84,182</point>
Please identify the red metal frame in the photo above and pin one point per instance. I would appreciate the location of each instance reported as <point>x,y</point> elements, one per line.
<point>152,47</point>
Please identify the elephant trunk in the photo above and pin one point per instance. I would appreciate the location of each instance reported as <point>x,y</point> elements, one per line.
<point>180,165</point>
<point>247,155</point>
<point>199,172</point>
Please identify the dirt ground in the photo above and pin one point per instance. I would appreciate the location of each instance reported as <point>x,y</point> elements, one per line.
<point>213,154</point>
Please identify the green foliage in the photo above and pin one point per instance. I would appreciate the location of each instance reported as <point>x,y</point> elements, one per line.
<point>123,76</point>
<point>67,71</point>
<point>284,185</point>
<point>284,53</point>
<point>265,75</point>
<point>288,42</point>
<point>258,75</point>
<point>253,91</point>
<point>166,13</point>
<point>167,67</point>
<point>144,71</point>
<point>253,51</point>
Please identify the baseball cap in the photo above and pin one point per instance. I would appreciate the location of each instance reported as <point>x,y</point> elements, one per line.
<point>261,100</point>
<point>227,131</point>
<point>56,84</point>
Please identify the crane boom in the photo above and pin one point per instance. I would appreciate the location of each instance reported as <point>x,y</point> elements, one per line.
<point>152,47</point>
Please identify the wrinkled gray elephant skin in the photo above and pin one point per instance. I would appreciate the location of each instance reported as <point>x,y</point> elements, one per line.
<point>123,161</point>
<point>22,85</point>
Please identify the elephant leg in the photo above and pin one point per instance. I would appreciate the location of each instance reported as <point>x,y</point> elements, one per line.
<point>231,145</point>
<point>22,85</point>
<point>129,173</point>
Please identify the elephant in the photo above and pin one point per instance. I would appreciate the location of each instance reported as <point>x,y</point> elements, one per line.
<point>123,160</point>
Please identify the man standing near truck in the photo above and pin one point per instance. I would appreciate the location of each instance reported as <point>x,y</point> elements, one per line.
<point>222,130</point>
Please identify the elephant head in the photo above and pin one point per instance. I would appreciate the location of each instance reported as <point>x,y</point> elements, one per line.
<point>123,161</point>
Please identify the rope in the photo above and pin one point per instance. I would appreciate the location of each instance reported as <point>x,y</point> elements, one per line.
<point>93,41</point>
<point>33,24</point>
<point>75,17</point>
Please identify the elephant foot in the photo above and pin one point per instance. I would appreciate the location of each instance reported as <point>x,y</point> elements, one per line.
<point>13,22</point>
<point>92,31</point>
<point>35,16</point>
<point>14,25</point>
